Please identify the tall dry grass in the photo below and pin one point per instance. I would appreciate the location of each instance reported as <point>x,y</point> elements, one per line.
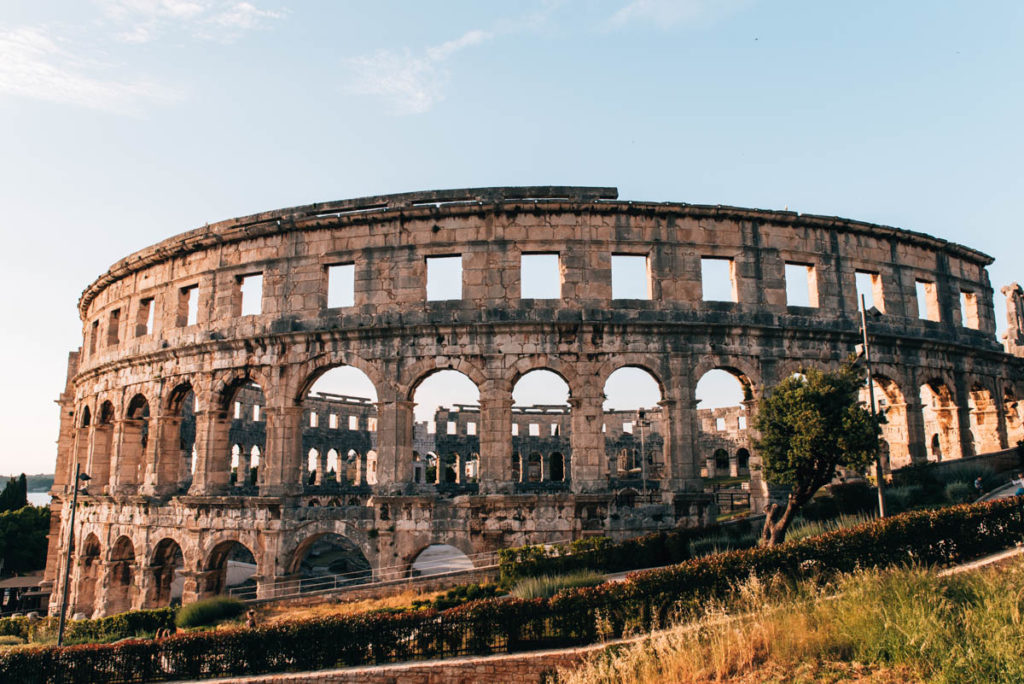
<point>963,628</point>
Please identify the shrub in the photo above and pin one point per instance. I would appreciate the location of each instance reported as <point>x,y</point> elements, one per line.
<point>802,529</point>
<point>456,596</point>
<point>957,492</point>
<point>854,497</point>
<point>547,586</point>
<point>11,640</point>
<point>209,611</point>
<point>903,498</point>
<point>704,546</point>
<point>111,628</point>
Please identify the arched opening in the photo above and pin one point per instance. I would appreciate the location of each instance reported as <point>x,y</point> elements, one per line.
<point>328,561</point>
<point>167,582</point>
<point>1013,416</point>
<point>935,449</point>
<point>246,404</point>
<point>722,395</point>
<point>438,559</point>
<point>355,474</point>
<point>178,439</point>
<point>940,419</point>
<point>134,444</point>
<point>743,459</point>
<point>541,424</point>
<point>419,468</point>
<point>102,439</point>
<point>447,406</point>
<point>984,420</point>
<point>230,568</point>
<point>635,423</point>
<point>333,473</point>
<point>889,401</point>
<point>237,469</point>
<point>88,576</point>
<point>121,589</point>
<point>339,413</point>
<point>86,417</point>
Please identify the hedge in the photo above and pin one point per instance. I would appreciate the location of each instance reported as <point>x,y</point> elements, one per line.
<point>112,628</point>
<point>572,617</point>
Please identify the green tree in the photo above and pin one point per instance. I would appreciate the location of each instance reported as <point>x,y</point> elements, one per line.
<point>808,426</point>
<point>15,494</point>
<point>23,538</point>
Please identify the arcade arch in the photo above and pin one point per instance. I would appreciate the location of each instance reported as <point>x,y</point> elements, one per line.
<point>447,404</point>
<point>541,427</point>
<point>940,421</point>
<point>230,565</point>
<point>166,566</point>
<point>121,588</point>
<point>438,559</point>
<point>328,560</point>
<point>89,575</point>
<point>984,419</point>
<point>339,415</point>
<point>634,424</point>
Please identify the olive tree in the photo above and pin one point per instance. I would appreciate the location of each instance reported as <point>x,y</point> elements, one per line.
<point>809,424</point>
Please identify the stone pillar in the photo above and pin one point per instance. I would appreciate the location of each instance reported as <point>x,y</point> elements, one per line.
<point>896,434</point>
<point>243,473</point>
<point>321,467</point>
<point>394,445</point>
<point>165,461</point>
<point>917,440</point>
<point>129,456</point>
<point>213,453</point>
<point>682,456</point>
<point>358,478</point>
<point>281,460</point>
<point>495,466</point>
<point>1014,335</point>
<point>588,449</point>
<point>102,439</point>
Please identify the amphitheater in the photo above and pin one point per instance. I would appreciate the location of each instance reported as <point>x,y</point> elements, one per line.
<point>189,403</point>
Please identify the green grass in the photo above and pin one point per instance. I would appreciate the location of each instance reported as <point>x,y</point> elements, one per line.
<point>905,624</point>
<point>546,586</point>
<point>801,529</point>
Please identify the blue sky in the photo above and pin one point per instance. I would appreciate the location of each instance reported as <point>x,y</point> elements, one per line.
<point>126,121</point>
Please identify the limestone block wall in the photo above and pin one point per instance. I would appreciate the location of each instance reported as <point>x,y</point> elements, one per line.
<point>168,330</point>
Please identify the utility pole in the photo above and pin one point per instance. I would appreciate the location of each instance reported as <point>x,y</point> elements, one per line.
<point>79,476</point>
<point>879,473</point>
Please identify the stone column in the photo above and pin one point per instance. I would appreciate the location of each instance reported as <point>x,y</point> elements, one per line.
<point>165,461</point>
<point>281,459</point>
<point>102,439</point>
<point>495,466</point>
<point>213,453</point>
<point>243,473</point>
<point>394,445</point>
<point>588,449</point>
<point>681,455</point>
<point>917,440</point>
<point>129,456</point>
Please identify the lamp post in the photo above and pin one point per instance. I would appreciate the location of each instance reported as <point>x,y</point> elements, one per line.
<point>641,421</point>
<point>79,476</point>
<point>879,474</point>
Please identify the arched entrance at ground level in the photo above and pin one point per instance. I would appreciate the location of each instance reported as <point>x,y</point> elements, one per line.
<point>940,420</point>
<point>88,576</point>
<point>121,587</point>
<point>1013,416</point>
<point>438,559</point>
<point>635,423</point>
<point>231,566</point>
<point>890,402</point>
<point>166,583</point>
<point>327,561</point>
<point>984,420</point>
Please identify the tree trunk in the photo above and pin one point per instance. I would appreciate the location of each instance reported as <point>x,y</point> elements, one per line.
<point>776,522</point>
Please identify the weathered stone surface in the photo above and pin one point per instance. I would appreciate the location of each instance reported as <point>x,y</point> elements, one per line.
<point>134,385</point>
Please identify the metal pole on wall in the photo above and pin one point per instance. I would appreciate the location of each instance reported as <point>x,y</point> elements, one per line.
<point>67,558</point>
<point>879,473</point>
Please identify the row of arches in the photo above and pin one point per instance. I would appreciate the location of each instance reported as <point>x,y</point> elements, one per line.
<point>125,579</point>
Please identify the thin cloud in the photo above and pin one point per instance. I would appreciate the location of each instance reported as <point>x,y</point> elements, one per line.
<point>412,83</point>
<point>143,20</point>
<point>34,65</point>
<point>669,13</point>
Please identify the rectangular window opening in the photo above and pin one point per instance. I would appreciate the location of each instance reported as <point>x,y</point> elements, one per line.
<point>251,290</point>
<point>371,424</point>
<point>332,421</point>
<point>741,422</point>
<point>144,321</point>
<point>627,427</point>
<point>515,429</point>
<point>188,306</point>
<point>554,429</point>
<point>94,332</point>
<point>114,328</point>
<point>631,276</point>
<point>238,410</point>
<point>314,420</point>
<point>720,424</point>
<point>431,428</point>
<point>801,285</point>
<point>470,428</point>
<point>353,422</point>
<point>341,286</point>
<point>256,413</point>
<point>540,277</point>
<point>535,429</point>
<point>969,310</point>
<point>444,278</point>
<point>718,280</point>
<point>870,286</point>
<point>927,301</point>
<point>452,428</point>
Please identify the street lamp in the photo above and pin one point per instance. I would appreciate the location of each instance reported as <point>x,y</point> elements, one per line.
<point>79,476</point>
<point>866,349</point>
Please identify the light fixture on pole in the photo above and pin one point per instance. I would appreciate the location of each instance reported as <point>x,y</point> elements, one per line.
<point>79,477</point>
<point>865,350</point>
